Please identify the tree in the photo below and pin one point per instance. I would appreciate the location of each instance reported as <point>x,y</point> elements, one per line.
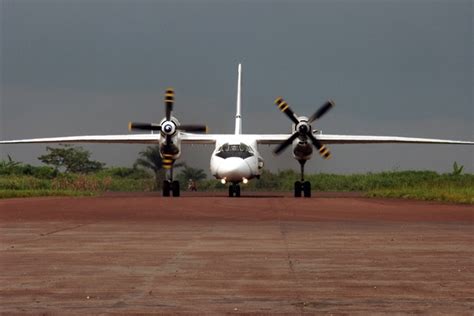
<point>150,158</point>
<point>457,170</point>
<point>190,173</point>
<point>72,159</point>
<point>9,167</point>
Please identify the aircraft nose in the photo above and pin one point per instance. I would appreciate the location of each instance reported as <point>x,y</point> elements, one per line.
<point>234,169</point>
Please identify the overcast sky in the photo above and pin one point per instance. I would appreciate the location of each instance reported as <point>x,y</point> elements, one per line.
<point>401,68</point>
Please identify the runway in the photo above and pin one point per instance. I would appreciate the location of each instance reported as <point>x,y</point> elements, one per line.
<point>262,253</point>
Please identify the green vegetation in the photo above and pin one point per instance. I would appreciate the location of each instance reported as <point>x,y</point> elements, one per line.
<point>188,173</point>
<point>23,180</point>
<point>71,159</point>
<point>444,193</point>
<point>150,159</point>
<point>457,170</point>
<point>423,185</point>
<point>77,182</point>
<point>9,194</point>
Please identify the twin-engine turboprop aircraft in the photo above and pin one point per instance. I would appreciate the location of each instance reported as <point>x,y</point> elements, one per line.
<point>235,158</point>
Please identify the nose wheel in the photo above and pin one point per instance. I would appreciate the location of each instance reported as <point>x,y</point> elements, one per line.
<point>234,190</point>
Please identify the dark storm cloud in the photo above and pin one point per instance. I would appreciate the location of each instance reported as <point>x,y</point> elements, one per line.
<point>393,67</point>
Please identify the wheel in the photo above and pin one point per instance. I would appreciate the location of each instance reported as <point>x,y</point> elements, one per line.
<point>297,189</point>
<point>231,190</point>
<point>237,190</point>
<point>307,189</point>
<point>166,188</point>
<point>175,188</point>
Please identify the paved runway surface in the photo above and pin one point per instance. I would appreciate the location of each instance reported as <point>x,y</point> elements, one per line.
<point>267,253</point>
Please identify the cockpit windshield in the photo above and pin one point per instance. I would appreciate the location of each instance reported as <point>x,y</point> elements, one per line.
<point>234,150</point>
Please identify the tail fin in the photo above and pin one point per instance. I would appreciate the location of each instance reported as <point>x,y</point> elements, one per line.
<point>238,117</point>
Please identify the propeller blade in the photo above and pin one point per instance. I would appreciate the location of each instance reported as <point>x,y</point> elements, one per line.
<point>322,110</point>
<point>323,151</point>
<point>144,126</point>
<point>168,142</point>
<point>286,143</point>
<point>285,108</point>
<point>169,101</point>
<point>193,128</point>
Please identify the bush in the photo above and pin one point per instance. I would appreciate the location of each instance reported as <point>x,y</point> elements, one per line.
<point>123,172</point>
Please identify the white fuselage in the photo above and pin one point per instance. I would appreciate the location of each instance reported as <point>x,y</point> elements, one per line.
<point>236,159</point>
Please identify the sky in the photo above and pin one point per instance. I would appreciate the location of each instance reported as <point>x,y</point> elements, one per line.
<point>402,68</point>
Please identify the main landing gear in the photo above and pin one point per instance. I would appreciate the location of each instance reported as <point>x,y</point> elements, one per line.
<point>171,187</point>
<point>234,190</point>
<point>302,187</point>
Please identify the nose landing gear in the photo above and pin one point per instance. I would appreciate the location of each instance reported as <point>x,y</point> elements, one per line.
<point>234,190</point>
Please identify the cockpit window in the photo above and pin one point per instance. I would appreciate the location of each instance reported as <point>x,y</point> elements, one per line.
<point>235,150</point>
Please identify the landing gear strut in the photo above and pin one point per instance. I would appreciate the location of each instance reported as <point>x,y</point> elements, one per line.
<point>302,187</point>
<point>170,186</point>
<point>234,190</point>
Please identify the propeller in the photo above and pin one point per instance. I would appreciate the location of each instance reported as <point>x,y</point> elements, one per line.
<point>303,129</point>
<point>168,127</point>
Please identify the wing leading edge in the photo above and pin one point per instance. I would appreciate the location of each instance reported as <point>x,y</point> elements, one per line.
<point>360,139</point>
<point>105,139</point>
<point>264,139</point>
<point>186,138</point>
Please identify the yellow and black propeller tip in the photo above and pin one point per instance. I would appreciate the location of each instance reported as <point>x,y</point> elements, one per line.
<point>169,101</point>
<point>324,152</point>
<point>285,108</point>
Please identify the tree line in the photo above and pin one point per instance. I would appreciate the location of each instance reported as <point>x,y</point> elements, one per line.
<point>69,159</point>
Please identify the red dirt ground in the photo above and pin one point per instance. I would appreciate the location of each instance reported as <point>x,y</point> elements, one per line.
<point>265,253</point>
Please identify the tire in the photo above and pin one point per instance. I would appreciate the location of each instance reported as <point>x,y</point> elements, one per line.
<point>231,190</point>
<point>166,188</point>
<point>297,189</point>
<point>175,188</point>
<point>237,190</point>
<point>307,189</point>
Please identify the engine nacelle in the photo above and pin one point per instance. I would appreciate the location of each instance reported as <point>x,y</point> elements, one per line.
<point>302,150</point>
<point>170,143</point>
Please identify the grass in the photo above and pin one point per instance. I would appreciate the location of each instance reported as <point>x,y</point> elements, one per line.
<point>9,194</point>
<point>447,193</point>
<point>71,182</point>
<point>423,185</point>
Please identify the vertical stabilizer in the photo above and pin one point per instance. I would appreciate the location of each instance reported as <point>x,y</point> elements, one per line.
<point>238,115</point>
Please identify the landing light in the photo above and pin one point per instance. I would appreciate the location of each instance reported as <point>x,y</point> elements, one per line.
<point>223,181</point>
<point>245,180</point>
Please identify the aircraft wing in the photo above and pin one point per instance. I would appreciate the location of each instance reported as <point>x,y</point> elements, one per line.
<point>107,139</point>
<point>186,138</point>
<point>269,139</point>
<point>264,139</point>
<point>191,138</point>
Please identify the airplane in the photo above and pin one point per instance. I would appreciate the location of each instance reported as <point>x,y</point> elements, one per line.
<point>235,158</point>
